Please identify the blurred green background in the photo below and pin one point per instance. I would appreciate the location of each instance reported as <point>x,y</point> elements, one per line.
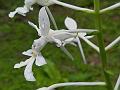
<point>17,36</point>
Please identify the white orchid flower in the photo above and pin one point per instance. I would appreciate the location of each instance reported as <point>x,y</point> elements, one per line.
<point>34,57</point>
<point>117,84</point>
<point>54,86</point>
<point>48,35</point>
<point>28,6</point>
<point>72,25</point>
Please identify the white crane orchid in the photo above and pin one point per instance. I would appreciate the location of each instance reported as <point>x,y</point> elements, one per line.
<point>56,36</point>
<point>46,35</point>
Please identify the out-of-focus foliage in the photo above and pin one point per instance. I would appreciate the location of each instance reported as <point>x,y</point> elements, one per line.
<point>17,36</point>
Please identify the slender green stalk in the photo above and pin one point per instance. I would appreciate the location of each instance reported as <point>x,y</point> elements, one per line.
<point>101,45</point>
<point>51,17</point>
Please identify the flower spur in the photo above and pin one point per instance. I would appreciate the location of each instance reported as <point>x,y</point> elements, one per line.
<point>54,86</point>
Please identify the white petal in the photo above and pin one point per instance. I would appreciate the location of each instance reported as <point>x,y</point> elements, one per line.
<point>63,35</point>
<point>81,50</point>
<point>21,64</point>
<point>68,41</point>
<point>12,14</point>
<point>40,60</point>
<point>35,27</point>
<point>44,2</point>
<point>57,41</point>
<point>28,71</point>
<point>39,44</point>
<point>28,52</point>
<point>82,34</point>
<point>22,10</point>
<point>70,23</point>
<point>29,3</point>
<point>78,30</point>
<point>44,22</point>
<point>90,43</point>
<point>19,10</point>
<point>89,37</point>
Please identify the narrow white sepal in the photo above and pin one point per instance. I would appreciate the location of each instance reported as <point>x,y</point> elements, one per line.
<point>28,71</point>
<point>69,41</point>
<point>81,50</point>
<point>35,27</point>
<point>40,60</point>
<point>20,10</point>
<point>28,52</point>
<point>12,14</point>
<point>57,41</point>
<point>79,31</point>
<point>91,44</point>
<point>89,37</point>
<point>21,64</point>
<point>44,22</point>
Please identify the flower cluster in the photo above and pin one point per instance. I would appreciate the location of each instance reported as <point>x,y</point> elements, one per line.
<point>47,35</point>
<point>60,37</point>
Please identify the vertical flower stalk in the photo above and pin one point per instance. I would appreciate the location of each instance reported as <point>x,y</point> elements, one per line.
<point>101,45</point>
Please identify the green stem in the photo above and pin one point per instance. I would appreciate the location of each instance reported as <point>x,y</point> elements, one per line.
<point>51,17</point>
<point>101,45</point>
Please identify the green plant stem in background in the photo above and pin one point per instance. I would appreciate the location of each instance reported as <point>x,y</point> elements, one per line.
<point>51,17</point>
<point>101,45</point>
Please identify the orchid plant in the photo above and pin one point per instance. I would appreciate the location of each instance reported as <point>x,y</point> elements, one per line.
<point>61,37</point>
<point>46,35</point>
